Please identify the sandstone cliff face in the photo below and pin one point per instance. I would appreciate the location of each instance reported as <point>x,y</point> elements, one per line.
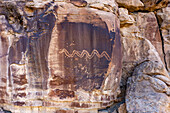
<point>84,56</point>
<point>61,54</point>
<point>145,79</point>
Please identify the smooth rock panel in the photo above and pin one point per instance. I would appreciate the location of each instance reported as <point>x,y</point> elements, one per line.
<point>83,56</point>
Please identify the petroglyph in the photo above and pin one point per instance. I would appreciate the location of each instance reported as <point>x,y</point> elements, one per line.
<point>84,52</point>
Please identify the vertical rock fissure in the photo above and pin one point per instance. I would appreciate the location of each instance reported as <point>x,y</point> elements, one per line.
<point>163,47</point>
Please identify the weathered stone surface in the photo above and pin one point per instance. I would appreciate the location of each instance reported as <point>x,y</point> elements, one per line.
<point>79,3</point>
<point>64,56</point>
<point>19,83</point>
<point>61,55</point>
<point>149,29</point>
<point>167,54</point>
<point>106,5</point>
<point>135,52</point>
<point>147,90</point>
<point>152,5</point>
<point>132,5</point>
<point>122,108</point>
<point>145,93</point>
<point>145,26</point>
<point>163,16</point>
<point>91,24</point>
<point>135,33</point>
<point>139,40</point>
<point>5,42</point>
<point>142,5</point>
<point>125,18</point>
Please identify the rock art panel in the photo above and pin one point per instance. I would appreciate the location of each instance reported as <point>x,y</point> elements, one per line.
<point>85,52</point>
<point>59,54</point>
<point>83,56</point>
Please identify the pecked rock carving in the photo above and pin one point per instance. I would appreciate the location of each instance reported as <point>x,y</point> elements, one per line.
<point>58,54</point>
<point>85,53</point>
<point>66,56</point>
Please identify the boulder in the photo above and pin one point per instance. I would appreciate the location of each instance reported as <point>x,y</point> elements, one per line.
<point>145,91</point>
<point>131,5</point>
<point>152,5</point>
<point>142,5</point>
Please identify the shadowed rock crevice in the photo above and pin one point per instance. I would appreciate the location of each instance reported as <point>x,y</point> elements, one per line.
<point>163,46</point>
<point>140,31</point>
<point>2,110</point>
<point>15,19</point>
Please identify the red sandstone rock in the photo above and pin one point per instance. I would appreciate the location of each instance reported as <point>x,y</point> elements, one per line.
<point>62,56</point>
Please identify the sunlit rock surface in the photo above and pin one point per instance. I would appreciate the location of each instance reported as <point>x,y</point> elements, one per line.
<point>84,56</point>
<point>60,55</point>
<point>163,16</point>
<point>145,79</point>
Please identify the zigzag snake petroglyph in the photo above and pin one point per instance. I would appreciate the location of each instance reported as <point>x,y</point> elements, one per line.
<point>84,52</point>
